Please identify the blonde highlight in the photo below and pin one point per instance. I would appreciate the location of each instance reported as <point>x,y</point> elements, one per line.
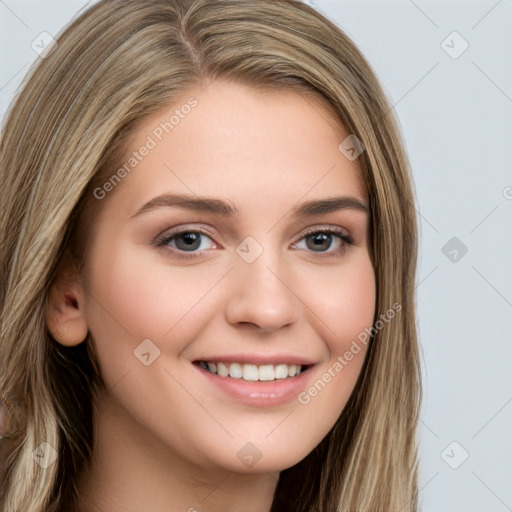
<point>116,64</point>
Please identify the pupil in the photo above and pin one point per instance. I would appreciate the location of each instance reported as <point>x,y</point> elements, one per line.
<point>190,241</point>
<point>321,241</point>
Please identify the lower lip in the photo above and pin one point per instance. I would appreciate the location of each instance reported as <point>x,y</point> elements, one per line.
<point>260,393</point>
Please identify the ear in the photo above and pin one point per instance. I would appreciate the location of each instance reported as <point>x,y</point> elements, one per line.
<point>65,308</point>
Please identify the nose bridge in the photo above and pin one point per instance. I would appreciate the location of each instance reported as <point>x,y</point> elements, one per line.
<point>261,293</point>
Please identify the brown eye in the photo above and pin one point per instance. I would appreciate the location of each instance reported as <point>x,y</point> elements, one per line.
<point>185,241</point>
<point>188,240</point>
<point>326,242</point>
<point>319,241</point>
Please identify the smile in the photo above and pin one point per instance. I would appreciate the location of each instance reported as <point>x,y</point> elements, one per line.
<point>253,372</point>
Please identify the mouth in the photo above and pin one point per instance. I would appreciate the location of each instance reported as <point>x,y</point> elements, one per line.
<point>276,380</point>
<point>253,372</point>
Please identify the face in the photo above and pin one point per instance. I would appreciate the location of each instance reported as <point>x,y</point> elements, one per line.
<point>237,243</point>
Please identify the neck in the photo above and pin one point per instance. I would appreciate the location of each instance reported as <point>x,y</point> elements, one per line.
<point>133,471</point>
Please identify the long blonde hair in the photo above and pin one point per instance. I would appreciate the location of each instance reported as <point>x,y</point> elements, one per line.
<point>117,63</point>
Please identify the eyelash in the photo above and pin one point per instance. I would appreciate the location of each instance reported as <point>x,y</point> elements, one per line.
<point>162,241</point>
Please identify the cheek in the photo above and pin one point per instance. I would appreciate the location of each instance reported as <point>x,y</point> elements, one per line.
<point>133,298</point>
<point>343,299</point>
<point>345,306</point>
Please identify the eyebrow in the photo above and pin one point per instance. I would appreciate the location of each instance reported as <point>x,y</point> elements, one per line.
<point>228,209</point>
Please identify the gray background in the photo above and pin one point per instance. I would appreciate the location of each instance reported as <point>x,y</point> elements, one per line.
<point>455,113</point>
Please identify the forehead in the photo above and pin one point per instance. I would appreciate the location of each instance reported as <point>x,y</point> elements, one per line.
<point>254,146</point>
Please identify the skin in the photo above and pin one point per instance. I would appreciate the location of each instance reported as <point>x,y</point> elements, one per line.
<point>166,440</point>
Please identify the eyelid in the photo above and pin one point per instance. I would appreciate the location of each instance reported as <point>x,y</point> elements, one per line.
<point>339,231</point>
<point>181,228</point>
<point>176,230</point>
<point>343,232</point>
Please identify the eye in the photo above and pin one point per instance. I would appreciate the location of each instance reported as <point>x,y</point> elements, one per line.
<point>185,240</point>
<point>188,243</point>
<point>325,240</point>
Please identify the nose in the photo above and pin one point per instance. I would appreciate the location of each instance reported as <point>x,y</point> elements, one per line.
<point>262,295</point>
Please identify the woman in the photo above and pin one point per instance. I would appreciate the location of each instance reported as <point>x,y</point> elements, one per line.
<point>272,367</point>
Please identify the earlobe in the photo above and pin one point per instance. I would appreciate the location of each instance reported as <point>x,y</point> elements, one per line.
<point>65,311</point>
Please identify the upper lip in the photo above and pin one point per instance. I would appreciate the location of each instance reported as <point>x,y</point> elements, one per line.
<point>258,359</point>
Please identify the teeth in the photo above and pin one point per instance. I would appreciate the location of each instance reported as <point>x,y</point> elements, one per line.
<point>250,372</point>
<point>281,371</point>
<point>253,372</point>
<point>292,370</point>
<point>235,371</point>
<point>266,372</point>
<point>222,370</point>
